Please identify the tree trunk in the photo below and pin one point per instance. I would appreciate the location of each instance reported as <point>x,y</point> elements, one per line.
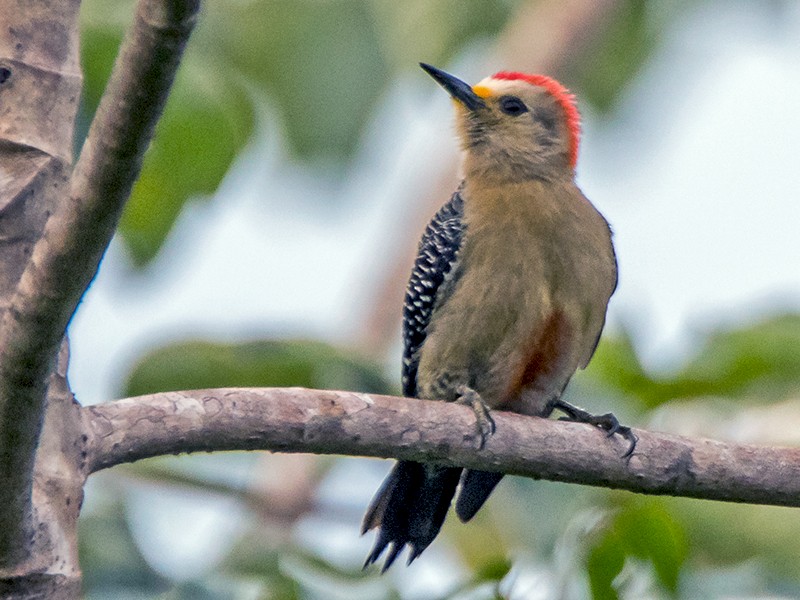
<point>40,84</point>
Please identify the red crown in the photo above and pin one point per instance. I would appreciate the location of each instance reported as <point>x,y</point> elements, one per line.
<point>563,96</point>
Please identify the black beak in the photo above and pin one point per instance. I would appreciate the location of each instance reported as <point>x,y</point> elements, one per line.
<point>458,89</point>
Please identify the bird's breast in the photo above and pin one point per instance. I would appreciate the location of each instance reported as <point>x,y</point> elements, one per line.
<point>530,295</point>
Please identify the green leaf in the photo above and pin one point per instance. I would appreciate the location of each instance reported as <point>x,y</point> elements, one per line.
<point>207,121</point>
<point>648,531</point>
<point>603,563</point>
<point>493,570</point>
<point>327,64</point>
<point>726,534</point>
<point>760,359</point>
<point>319,62</point>
<point>757,360</point>
<point>202,364</point>
<point>616,366</point>
<point>642,529</point>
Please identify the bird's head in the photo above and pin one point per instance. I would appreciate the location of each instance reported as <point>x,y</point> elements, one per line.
<point>513,125</point>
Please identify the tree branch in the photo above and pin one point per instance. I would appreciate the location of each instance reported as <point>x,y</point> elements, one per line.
<point>76,236</point>
<point>330,422</point>
<point>65,259</point>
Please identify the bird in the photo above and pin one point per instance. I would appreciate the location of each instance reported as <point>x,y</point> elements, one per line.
<point>507,297</point>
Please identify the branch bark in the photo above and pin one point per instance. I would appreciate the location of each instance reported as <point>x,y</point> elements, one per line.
<point>332,422</point>
<point>40,84</point>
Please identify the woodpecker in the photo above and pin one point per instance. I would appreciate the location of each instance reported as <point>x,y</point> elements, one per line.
<point>508,294</point>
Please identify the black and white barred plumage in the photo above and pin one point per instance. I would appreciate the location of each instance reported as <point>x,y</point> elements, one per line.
<point>437,255</point>
<point>413,502</point>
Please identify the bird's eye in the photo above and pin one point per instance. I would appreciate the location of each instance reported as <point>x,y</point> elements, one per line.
<point>511,105</point>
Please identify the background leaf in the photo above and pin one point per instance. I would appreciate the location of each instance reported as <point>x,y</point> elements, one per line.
<point>200,365</point>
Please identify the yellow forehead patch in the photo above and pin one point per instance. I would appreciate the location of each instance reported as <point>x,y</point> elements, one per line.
<point>482,91</point>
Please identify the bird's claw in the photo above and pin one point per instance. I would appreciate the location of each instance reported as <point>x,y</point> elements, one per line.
<point>628,434</point>
<point>612,426</point>
<point>483,418</point>
<point>608,422</point>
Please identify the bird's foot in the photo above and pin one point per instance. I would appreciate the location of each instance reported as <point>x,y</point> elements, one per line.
<point>484,421</point>
<point>608,422</point>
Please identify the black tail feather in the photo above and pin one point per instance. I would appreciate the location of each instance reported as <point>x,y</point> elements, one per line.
<point>410,508</point>
<point>475,489</point>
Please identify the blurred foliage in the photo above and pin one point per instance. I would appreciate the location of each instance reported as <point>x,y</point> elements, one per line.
<point>619,54</point>
<point>758,360</point>
<point>118,569</point>
<point>207,121</point>
<point>489,576</point>
<point>723,534</point>
<point>111,561</point>
<point>642,529</point>
<point>203,129</point>
<point>320,65</point>
<point>200,365</point>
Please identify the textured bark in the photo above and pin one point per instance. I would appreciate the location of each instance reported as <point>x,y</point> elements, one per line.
<point>329,422</point>
<point>39,89</point>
